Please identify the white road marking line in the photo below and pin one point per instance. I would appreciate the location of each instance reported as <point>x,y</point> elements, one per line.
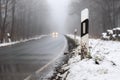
<point>28,77</point>
<point>45,66</point>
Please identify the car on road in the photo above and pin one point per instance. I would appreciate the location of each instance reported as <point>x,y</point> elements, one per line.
<point>54,34</point>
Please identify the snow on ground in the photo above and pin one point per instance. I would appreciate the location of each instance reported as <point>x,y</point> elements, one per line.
<point>106,53</point>
<point>25,40</point>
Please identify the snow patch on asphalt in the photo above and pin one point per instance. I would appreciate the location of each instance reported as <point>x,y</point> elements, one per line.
<point>25,40</point>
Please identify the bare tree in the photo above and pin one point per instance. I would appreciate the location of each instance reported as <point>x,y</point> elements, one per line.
<point>13,19</point>
<point>3,28</point>
<point>104,14</point>
<point>23,19</point>
<point>0,20</point>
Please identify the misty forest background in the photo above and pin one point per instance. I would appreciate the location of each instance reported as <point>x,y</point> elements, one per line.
<point>24,19</point>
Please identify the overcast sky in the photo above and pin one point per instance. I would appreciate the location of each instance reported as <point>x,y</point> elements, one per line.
<point>59,12</point>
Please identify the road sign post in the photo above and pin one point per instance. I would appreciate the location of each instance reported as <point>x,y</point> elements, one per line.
<point>75,34</point>
<point>84,33</point>
<point>9,37</point>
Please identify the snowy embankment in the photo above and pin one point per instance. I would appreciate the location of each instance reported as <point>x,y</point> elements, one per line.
<point>104,65</point>
<point>25,40</point>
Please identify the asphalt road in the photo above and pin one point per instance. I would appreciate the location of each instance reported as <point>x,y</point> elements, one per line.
<point>20,60</point>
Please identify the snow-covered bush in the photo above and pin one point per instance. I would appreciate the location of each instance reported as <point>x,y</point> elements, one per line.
<point>113,34</point>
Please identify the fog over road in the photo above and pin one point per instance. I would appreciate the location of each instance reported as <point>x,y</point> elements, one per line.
<point>20,60</point>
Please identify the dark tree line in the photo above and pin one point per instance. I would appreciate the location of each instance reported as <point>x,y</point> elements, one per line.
<point>22,19</point>
<point>104,14</point>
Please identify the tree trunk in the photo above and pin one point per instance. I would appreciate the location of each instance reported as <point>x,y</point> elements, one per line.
<point>13,19</point>
<point>0,19</point>
<point>4,22</point>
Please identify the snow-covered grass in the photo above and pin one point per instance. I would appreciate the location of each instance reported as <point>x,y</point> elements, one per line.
<point>107,55</point>
<point>25,40</point>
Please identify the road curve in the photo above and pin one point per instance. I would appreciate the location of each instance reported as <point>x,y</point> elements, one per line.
<point>20,60</point>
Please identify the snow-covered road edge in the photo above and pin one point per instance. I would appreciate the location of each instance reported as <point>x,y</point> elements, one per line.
<point>25,40</point>
<point>104,65</point>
